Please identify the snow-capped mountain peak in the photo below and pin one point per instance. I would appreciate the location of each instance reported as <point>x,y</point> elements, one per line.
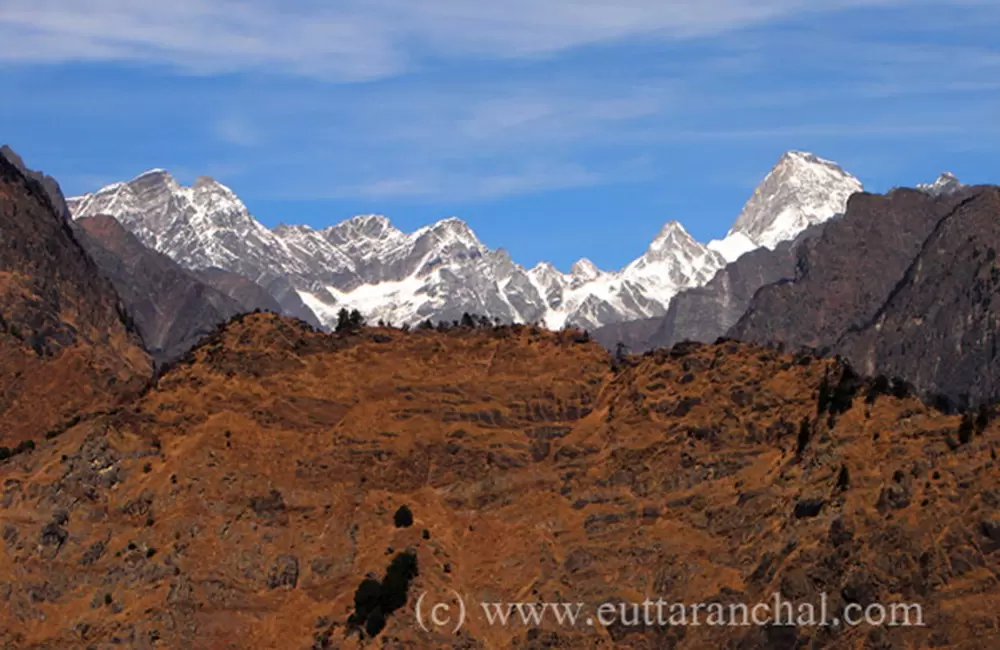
<point>946,183</point>
<point>583,270</point>
<point>801,190</point>
<point>671,237</point>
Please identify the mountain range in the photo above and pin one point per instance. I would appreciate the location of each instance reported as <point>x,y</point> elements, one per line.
<point>278,486</point>
<point>441,271</point>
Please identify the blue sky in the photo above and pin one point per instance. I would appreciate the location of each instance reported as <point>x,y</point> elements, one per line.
<point>558,129</point>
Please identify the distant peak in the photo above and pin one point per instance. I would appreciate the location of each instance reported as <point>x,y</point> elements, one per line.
<point>153,172</point>
<point>672,228</point>
<point>371,223</point>
<point>672,235</point>
<point>370,219</point>
<point>584,269</point>
<point>205,181</point>
<point>363,226</point>
<point>453,225</point>
<point>946,183</point>
<point>452,222</point>
<point>795,157</point>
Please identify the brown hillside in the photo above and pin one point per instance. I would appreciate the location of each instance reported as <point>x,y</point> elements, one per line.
<point>66,344</point>
<point>241,503</point>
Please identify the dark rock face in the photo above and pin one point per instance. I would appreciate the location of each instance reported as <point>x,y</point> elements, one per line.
<point>904,285</point>
<point>172,308</point>
<point>939,326</point>
<point>705,313</point>
<point>845,275</point>
<point>66,340</point>
<point>52,190</point>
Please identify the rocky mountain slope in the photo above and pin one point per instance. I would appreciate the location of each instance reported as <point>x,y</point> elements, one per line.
<point>938,327</point>
<point>851,279</point>
<point>443,270</point>
<point>249,295</point>
<point>171,308</point>
<point>255,498</point>
<point>67,345</point>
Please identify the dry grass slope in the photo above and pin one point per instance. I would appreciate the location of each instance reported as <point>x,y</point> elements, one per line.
<point>241,502</point>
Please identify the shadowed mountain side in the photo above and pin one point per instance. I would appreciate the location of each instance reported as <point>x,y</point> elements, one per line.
<point>879,287</point>
<point>939,326</point>
<point>250,295</point>
<point>67,345</point>
<point>846,274</point>
<point>171,307</point>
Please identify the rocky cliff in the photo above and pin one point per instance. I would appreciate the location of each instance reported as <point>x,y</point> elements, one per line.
<point>67,344</point>
<point>939,326</point>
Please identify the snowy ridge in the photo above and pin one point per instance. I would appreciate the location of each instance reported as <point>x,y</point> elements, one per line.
<point>442,270</point>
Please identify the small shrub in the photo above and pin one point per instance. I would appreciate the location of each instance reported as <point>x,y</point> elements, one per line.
<point>403,517</point>
<point>805,433</point>
<point>375,600</point>
<point>966,429</point>
<point>843,478</point>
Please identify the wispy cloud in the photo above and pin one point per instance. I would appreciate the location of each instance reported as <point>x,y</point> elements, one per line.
<point>468,100</point>
<point>360,39</point>
<point>236,130</point>
<point>469,185</point>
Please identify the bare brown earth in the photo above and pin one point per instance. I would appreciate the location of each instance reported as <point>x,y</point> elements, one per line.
<point>240,503</point>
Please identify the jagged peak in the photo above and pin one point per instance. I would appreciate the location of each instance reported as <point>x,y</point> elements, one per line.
<point>946,183</point>
<point>796,157</point>
<point>156,171</point>
<point>543,266</point>
<point>369,220</point>
<point>367,225</point>
<point>451,228</point>
<point>671,232</point>
<point>584,269</point>
<point>802,189</point>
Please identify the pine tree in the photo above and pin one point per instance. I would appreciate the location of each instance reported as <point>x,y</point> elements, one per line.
<point>343,320</point>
